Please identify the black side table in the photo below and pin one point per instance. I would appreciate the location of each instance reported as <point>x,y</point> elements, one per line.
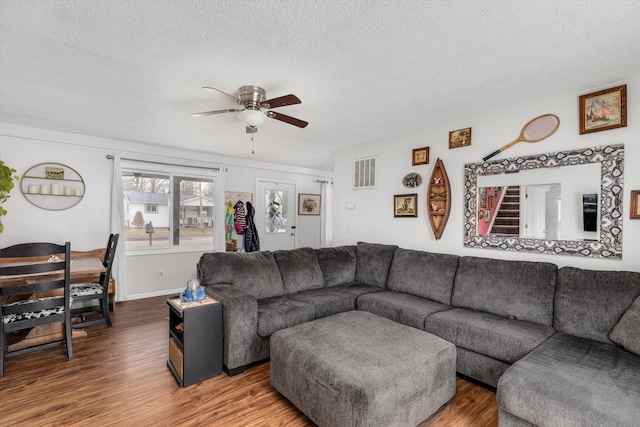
<point>195,340</point>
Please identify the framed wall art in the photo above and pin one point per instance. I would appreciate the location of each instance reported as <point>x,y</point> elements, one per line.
<point>405,205</point>
<point>412,180</point>
<point>603,110</point>
<point>635,204</point>
<point>460,138</point>
<point>308,204</point>
<point>420,156</point>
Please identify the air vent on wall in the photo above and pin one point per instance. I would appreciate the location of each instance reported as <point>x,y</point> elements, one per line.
<point>364,173</point>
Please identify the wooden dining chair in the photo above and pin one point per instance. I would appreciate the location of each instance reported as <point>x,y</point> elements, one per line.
<point>82,292</point>
<point>34,293</point>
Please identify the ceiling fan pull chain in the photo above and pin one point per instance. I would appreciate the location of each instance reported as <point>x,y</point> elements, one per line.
<point>253,145</point>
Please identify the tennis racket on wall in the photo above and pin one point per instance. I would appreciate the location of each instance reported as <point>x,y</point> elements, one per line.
<point>542,127</point>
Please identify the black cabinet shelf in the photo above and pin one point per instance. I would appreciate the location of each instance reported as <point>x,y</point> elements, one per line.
<point>195,352</point>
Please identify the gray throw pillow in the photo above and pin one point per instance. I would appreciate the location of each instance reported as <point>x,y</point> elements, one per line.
<point>627,331</point>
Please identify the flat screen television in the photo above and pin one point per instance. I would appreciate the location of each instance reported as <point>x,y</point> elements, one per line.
<point>590,212</point>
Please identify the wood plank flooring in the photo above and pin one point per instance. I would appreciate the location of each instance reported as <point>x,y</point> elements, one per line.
<point>119,377</point>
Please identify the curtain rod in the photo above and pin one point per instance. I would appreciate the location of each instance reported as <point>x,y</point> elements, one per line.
<point>110,157</point>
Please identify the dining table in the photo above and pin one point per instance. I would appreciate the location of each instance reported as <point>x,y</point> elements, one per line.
<point>85,267</point>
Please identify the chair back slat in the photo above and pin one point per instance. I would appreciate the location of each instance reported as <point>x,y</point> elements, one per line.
<point>31,250</point>
<point>32,288</point>
<point>31,268</point>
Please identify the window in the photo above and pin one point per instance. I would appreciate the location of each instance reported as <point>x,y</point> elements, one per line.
<point>167,211</point>
<point>276,215</point>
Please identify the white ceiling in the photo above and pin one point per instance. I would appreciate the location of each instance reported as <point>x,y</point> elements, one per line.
<point>364,70</point>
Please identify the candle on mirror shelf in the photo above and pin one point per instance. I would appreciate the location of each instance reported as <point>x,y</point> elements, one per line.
<point>55,189</point>
<point>33,189</point>
<point>67,190</point>
<point>77,192</point>
<point>44,189</point>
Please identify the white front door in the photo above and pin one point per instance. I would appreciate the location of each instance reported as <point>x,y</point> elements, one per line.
<point>275,215</point>
<point>532,211</point>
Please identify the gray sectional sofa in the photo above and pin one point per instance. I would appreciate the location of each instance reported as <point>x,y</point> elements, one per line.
<point>562,346</point>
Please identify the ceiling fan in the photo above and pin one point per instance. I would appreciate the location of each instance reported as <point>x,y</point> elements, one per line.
<point>256,107</point>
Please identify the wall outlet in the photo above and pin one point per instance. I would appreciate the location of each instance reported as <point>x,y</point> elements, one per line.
<point>160,274</point>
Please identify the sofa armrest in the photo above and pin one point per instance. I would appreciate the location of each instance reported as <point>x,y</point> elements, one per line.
<point>240,324</point>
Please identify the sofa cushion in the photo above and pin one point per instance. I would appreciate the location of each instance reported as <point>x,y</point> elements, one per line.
<point>254,272</point>
<point>356,289</point>
<point>326,301</point>
<point>281,312</point>
<point>573,381</point>
<point>372,263</point>
<point>627,331</point>
<point>588,303</point>
<point>338,264</point>
<point>299,269</point>
<point>424,274</point>
<point>521,290</point>
<point>505,339</point>
<point>403,308</point>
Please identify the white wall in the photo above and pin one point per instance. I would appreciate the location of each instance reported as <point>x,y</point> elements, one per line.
<point>86,225</point>
<point>372,219</point>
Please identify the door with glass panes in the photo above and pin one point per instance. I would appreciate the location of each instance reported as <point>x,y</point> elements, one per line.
<point>275,214</point>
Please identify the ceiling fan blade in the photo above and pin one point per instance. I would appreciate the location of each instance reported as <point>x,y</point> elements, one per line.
<point>213,89</point>
<point>210,113</point>
<point>252,129</point>
<point>281,101</point>
<point>287,119</point>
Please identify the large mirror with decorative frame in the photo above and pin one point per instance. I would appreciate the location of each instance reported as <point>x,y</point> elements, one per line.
<point>563,203</point>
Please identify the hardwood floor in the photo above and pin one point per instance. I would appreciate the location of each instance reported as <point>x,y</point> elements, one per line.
<point>119,377</point>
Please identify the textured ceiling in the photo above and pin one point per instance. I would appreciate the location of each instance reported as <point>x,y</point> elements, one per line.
<point>364,70</point>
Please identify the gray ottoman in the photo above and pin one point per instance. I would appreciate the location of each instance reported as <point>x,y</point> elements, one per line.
<point>359,369</point>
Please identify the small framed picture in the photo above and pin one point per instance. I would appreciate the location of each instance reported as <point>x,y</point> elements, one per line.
<point>635,204</point>
<point>603,110</point>
<point>54,173</point>
<point>308,204</point>
<point>412,180</point>
<point>405,205</point>
<point>420,156</point>
<point>487,215</point>
<point>460,138</point>
<point>483,197</point>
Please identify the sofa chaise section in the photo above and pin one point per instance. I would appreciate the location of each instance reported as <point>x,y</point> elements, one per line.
<point>572,381</point>
<point>579,376</point>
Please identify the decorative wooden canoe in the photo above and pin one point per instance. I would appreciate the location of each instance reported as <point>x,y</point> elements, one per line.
<point>438,199</point>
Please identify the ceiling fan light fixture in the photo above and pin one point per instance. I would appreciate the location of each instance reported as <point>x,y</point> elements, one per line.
<point>252,118</point>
